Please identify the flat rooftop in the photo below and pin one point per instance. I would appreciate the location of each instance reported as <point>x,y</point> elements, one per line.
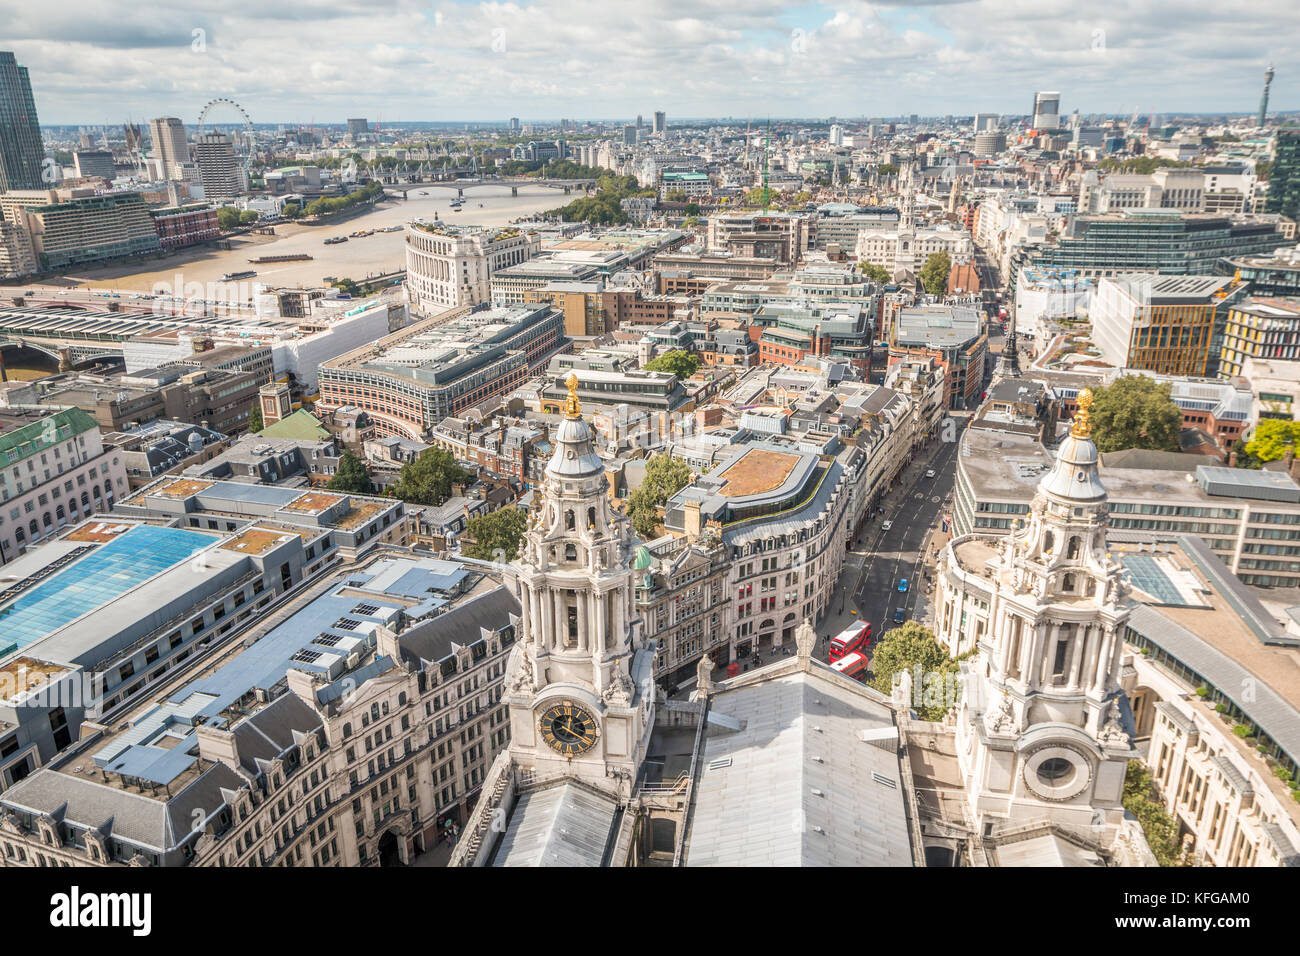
<point>314,502</point>
<point>257,540</point>
<point>757,471</point>
<point>95,579</point>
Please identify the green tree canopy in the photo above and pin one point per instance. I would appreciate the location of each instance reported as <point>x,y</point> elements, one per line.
<point>874,272</point>
<point>352,475</point>
<point>496,535</point>
<point>1142,799</point>
<point>907,648</point>
<point>887,169</point>
<point>664,477</point>
<point>428,479</point>
<point>934,274</point>
<point>255,416</point>
<point>1135,411</point>
<point>227,218</point>
<point>1271,438</point>
<point>681,363</point>
<point>248,217</point>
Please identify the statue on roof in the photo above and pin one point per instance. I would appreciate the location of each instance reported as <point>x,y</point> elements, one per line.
<point>1082,427</point>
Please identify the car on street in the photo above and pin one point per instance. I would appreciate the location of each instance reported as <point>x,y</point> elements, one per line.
<point>886,525</point>
<point>902,584</point>
<point>900,615</point>
<point>929,473</point>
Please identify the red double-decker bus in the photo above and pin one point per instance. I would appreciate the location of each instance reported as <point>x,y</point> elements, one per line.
<point>855,637</point>
<point>852,665</point>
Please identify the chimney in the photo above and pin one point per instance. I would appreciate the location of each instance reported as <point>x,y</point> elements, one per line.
<point>692,519</point>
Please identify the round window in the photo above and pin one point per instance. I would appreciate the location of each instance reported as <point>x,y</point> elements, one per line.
<point>1054,770</point>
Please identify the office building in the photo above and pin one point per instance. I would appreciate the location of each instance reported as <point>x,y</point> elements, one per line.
<point>1211,675</point>
<point>354,728</point>
<point>220,172</point>
<point>83,228</point>
<point>95,162</point>
<point>1250,519</point>
<point>1284,178</point>
<point>661,122</point>
<point>1260,328</point>
<point>1047,111</point>
<point>411,381</point>
<point>955,336</point>
<point>1161,241</point>
<point>22,151</point>
<point>171,147</point>
<point>54,470</point>
<point>448,267</point>
<point>1172,325</point>
<point>358,127</point>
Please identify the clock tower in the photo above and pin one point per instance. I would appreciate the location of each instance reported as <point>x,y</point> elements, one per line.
<point>1044,731</point>
<point>580,681</point>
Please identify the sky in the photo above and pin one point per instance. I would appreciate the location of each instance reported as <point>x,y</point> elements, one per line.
<point>105,61</point>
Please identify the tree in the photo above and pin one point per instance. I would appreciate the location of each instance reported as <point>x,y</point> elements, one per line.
<point>496,535</point>
<point>248,217</point>
<point>255,416</point>
<point>352,475</point>
<point>291,210</point>
<point>1142,799</point>
<point>428,479</point>
<point>1271,439</point>
<point>664,477</point>
<point>912,647</point>
<point>934,274</point>
<point>681,363</point>
<point>874,272</point>
<point>227,218</point>
<point>1135,411</point>
<point>675,195</point>
<point>692,209</point>
<point>887,169</point>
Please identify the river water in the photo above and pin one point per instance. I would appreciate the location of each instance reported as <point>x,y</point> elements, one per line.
<point>380,253</point>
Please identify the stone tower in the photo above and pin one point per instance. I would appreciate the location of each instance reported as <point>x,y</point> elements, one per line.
<point>580,684</point>
<point>1043,730</point>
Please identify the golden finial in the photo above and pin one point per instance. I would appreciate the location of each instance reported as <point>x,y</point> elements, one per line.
<point>571,407</point>
<point>1082,418</point>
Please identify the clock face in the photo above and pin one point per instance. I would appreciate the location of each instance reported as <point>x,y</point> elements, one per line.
<point>570,729</point>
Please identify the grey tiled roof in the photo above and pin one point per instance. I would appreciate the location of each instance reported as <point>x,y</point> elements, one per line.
<point>797,785</point>
<point>568,824</point>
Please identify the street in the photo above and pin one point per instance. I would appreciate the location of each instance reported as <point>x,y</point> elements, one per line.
<point>914,508</point>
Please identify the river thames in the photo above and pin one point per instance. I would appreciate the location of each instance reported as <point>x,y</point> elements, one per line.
<point>377,254</point>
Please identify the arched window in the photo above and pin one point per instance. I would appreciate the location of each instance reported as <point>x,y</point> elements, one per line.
<point>570,553</point>
<point>1047,541</point>
<point>20,536</point>
<point>46,519</point>
<point>35,528</point>
<point>347,730</point>
<point>1068,583</point>
<point>1073,550</point>
<point>108,487</point>
<point>568,521</point>
<point>591,517</point>
<point>59,513</point>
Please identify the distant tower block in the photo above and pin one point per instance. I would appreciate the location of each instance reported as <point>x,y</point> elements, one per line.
<point>275,401</point>
<point>1263,100</point>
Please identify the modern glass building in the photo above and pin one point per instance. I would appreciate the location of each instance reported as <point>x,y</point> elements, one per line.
<point>21,149</point>
<point>1284,179</point>
<point>1149,240</point>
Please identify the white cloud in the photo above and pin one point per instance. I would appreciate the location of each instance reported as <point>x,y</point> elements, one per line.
<point>97,62</point>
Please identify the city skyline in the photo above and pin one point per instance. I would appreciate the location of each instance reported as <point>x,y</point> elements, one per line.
<point>478,63</point>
